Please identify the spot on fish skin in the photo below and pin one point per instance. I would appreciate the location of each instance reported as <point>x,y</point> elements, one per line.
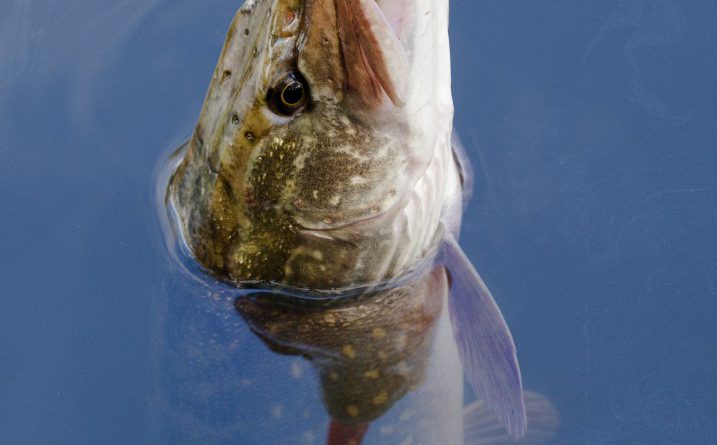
<point>334,377</point>
<point>352,410</point>
<point>349,351</point>
<point>358,180</point>
<point>335,200</point>
<point>380,399</point>
<point>378,333</point>
<point>330,319</point>
<point>403,369</point>
<point>372,374</point>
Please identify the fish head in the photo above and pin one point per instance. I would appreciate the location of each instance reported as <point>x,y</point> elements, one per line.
<point>321,114</point>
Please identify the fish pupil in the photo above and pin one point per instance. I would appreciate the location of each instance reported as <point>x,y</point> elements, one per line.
<point>293,94</point>
<point>289,96</point>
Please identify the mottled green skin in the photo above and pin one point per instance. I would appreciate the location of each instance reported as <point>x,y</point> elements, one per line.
<point>265,199</point>
<point>254,232</point>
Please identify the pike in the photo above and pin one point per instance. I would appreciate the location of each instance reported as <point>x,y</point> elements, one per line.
<point>323,161</point>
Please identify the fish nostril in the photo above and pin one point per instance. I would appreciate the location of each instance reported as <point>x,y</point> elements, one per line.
<point>289,17</point>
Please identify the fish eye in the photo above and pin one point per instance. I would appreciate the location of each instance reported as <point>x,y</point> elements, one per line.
<point>290,95</point>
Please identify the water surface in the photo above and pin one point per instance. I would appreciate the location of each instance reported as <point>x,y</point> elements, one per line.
<point>592,132</point>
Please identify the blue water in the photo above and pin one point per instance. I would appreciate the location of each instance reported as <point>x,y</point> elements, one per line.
<point>592,127</point>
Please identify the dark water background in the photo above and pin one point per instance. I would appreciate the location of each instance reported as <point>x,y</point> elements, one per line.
<point>593,131</point>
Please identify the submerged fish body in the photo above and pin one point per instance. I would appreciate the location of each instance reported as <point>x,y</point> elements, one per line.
<point>323,165</point>
<point>369,352</point>
<point>290,370</point>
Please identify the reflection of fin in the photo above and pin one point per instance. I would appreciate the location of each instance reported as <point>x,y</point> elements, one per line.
<point>484,342</point>
<point>346,434</point>
<point>481,426</point>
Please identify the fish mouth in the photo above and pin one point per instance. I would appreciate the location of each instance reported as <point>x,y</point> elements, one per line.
<point>375,63</point>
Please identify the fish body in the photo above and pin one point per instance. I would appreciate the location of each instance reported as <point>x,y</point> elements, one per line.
<point>323,165</point>
<point>382,366</point>
<point>371,352</point>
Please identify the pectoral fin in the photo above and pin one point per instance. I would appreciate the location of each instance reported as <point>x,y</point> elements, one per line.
<point>481,426</point>
<point>485,344</point>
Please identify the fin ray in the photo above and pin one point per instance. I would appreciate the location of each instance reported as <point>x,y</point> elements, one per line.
<point>485,345</point>
<point>482,427</point>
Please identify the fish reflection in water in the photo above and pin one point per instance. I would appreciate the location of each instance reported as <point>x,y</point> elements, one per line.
<point>368,352</point>
<point>323,165</point>
<point>372,349</point>
<point>386,368</point>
